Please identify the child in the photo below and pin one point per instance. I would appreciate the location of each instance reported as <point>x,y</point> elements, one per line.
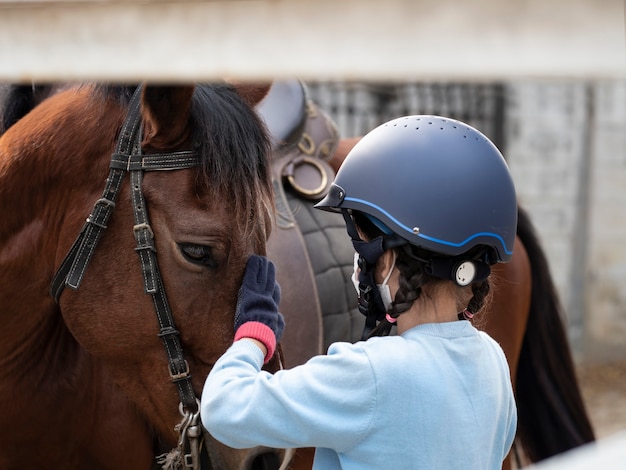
<point>429,204</point>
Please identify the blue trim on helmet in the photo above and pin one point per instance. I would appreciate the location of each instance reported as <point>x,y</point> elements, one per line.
<point>426,237</point>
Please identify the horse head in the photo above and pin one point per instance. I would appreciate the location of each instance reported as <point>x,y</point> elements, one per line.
<point>187,199</point>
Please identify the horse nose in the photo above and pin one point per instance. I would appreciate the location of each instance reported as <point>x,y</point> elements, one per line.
<point>267,459</point>
<point>222,457</point>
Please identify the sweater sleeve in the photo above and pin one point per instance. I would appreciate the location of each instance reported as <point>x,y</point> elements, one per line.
<point>328,402</point>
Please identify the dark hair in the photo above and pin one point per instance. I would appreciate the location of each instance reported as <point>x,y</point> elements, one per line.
<point>411,264</point>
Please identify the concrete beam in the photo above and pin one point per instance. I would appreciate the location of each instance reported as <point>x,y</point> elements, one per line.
<point>169,40</point>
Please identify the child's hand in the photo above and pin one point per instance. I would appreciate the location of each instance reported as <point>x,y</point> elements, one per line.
<point>257,315</point>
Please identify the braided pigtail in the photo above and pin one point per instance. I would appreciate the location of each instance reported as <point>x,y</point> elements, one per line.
<point>411,281</point>
<point>480,296</point>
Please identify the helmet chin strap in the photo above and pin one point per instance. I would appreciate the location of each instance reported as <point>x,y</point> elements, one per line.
<point>371,304</point>
<point>370,301</point>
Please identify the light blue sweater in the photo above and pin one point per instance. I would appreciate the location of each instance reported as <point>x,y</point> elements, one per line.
<point>437,396</point>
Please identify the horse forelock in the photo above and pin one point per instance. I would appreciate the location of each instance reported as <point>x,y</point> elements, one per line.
<point>235,151</point>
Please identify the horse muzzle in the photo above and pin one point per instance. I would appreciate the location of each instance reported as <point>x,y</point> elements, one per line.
<point>257,458</point>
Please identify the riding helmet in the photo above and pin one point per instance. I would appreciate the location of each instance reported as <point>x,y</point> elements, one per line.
<point>436,182</point>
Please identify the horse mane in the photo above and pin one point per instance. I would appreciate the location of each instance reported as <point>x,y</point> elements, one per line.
<point>17,100</point>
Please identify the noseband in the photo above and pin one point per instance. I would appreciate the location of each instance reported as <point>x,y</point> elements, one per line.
<point>128,158</point>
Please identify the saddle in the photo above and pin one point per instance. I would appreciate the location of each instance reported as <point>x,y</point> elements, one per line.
<point>303,139</point>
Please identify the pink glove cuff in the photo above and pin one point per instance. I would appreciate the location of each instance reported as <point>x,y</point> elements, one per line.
<point>261,332</point>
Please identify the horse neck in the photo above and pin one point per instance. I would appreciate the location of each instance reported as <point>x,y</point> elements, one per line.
<point>46,159</point>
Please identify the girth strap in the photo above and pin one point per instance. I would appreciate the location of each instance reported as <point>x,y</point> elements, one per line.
<point>128,158</point>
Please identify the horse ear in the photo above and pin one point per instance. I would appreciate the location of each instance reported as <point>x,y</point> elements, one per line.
<point>165,112</point>
<point>252,93</point>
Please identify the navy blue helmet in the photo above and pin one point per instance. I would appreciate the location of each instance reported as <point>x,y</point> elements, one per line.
<point>436,182</point>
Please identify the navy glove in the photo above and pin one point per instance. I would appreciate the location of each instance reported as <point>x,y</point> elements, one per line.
<point>257,315</point>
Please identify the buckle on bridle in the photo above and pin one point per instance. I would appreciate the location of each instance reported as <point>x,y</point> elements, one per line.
<point>180,376</point>
<point>143,226</point>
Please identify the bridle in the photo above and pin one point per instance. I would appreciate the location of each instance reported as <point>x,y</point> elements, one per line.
<point>128,157</point>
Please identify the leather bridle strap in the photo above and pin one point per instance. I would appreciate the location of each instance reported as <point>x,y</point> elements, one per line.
<point>128,157</point>
<point>73,267</point>
<point>153,285</point>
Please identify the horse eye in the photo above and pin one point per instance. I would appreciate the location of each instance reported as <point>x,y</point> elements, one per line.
<point>199,254</point>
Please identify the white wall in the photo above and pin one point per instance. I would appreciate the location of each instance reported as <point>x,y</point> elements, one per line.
<point>566,146</point>
<point>605,316</point>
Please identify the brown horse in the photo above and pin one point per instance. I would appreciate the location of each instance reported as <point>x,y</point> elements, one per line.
<point>85,381</point>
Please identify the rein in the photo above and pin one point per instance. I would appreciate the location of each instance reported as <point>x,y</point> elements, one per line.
<point>128,158</point>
